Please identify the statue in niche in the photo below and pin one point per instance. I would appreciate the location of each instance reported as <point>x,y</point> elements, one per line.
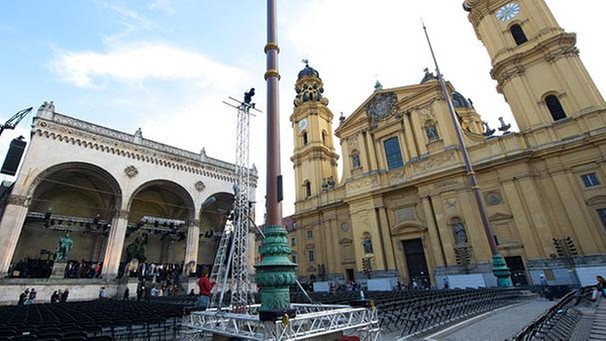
<point>135,250</point>
<point>65,245</point>
<point>367,243</point>
<point>432,132</point>
<point>355,158</point>
<point>460,234</point>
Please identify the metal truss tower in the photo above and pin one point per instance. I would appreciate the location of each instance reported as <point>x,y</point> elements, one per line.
<point>241,295</point>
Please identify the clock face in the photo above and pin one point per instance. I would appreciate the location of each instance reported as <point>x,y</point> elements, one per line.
<point>508,12</point>
<point>303,124</point>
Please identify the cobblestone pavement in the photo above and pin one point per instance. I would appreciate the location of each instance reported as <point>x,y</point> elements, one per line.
<point>498,325</point>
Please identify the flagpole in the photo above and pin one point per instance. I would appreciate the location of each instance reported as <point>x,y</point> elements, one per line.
<point>276,273</point>
<point>500,269</point>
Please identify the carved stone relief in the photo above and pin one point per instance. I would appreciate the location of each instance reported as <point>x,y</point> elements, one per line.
<point>200,186</point>
<point>405,214</point>
<point>451,205</point>
<point>131,171</point>
<point>493,198</point>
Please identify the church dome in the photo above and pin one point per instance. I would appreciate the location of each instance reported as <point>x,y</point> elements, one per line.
<point>308,71</point>
<point>309,86</point>
<point>459,101</point>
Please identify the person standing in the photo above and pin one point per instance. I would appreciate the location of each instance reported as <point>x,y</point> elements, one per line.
<point>600,288</point>
<point>103,294</point>
<point>23,297</point>
<point>126,294</point>
<point>65,295</point>
<point>205,285</point>
<point>55,297</point>
<point>32,297</point>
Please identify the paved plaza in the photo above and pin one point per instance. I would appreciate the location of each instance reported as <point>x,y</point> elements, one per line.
<point>499,324</point>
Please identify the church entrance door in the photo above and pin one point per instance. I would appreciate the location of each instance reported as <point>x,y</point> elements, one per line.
<point>416,263</point>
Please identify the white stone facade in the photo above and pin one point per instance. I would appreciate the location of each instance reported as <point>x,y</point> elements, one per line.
<point>127,164</point>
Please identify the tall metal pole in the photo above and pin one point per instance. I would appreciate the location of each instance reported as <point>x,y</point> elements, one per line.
<point>275,273</point>
<point>272,76</point>
<point>500,269</point>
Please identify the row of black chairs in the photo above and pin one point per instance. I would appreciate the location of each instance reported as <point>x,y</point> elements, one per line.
<point>559,321</point>
<point>430,309</point>
<point>96,320</point>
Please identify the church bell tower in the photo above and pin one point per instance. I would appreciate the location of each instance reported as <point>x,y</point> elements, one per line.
<point>535,62</point>
<point>314,156</point>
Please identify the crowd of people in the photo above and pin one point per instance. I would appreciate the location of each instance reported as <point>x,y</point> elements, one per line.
<point>31,268</point>
<point>42,268</point>
<point>155,272</point>
<point>83,269</point>
<point>29,296</point>
<point>146,290</point>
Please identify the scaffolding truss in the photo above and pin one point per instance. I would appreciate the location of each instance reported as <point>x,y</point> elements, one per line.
<point>311,320</point>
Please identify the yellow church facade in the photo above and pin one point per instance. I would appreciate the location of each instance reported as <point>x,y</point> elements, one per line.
<point>403,206</point>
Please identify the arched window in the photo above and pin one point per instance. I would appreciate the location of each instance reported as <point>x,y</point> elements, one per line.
<point>518,34</point>
<point>304,138</point>
<point>323,137</point>
<point>392,153</point>
<point>555,107</point>
<point>307,185</point>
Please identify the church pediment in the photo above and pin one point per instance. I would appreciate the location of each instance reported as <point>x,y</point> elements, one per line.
<point>345,241</point>
<point>500,216</point>
<point>597,200</point>
<point>409,227</point>
<point>380,105</point>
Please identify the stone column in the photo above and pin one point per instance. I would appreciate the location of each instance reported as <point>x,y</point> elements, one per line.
<point>10,229</point>
<point>533,202</point>
<point>115,244</point>
<point>434,234</point>
<point>386,241</point>
<point>372,155</point>
<point>193,242</point>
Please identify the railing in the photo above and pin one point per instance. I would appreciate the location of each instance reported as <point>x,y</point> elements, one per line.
<point>543,323</point>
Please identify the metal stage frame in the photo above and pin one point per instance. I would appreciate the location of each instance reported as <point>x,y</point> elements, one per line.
<point>311,320</point>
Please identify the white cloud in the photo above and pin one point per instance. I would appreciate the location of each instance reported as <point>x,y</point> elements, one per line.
<point>135,64</point>
<point>165,6</point>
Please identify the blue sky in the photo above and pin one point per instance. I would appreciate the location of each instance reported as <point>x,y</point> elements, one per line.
<point>167,65</point>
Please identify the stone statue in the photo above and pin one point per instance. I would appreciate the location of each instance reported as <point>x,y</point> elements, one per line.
<point>65,245</point>
<point>460,234</point>
<point>432,132</point>
<point>367,243</point>
<point>355,160</point>
<point>135,250</point>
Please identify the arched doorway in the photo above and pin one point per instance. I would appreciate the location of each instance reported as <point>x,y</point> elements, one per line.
<point>159,213</point>
<point>71,200</point>
<point>213,215</point>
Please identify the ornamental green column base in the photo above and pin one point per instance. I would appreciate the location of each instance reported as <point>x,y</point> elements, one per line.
<point>501,271</point>
<point>275,274</point>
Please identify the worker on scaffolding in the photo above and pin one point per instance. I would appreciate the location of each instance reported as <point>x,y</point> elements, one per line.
<point>205,285</point>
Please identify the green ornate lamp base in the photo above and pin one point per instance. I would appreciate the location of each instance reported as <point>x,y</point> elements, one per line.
<point>275,274</point>
<point>501,271</point>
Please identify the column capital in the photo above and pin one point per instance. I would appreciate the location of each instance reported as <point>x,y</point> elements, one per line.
<point>18,200</point>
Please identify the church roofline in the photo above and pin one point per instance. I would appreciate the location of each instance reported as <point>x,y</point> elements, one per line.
<point>130,139</point>
<point>427,86</point>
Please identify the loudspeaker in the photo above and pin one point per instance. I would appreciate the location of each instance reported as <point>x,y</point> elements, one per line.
<point>13,157</point>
